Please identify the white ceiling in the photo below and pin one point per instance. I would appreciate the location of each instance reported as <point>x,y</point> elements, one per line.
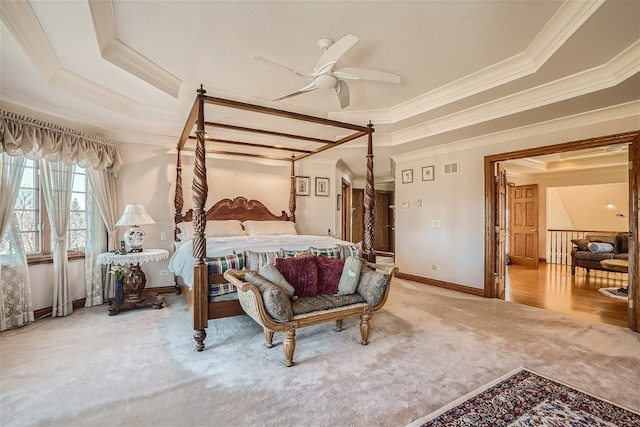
<point>128,70</point>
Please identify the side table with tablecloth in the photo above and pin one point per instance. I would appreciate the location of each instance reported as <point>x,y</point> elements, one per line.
<point>135,280</point>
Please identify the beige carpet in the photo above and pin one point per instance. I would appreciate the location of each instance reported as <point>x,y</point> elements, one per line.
<point>428,346</point>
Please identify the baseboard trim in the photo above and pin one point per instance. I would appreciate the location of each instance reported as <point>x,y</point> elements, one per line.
<point>441,284</point>
<point>44,312</point>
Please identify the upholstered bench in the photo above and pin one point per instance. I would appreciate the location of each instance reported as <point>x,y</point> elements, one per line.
<point>277,309</point>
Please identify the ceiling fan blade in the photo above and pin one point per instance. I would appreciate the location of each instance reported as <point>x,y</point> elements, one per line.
<point>282,67</point>
<point>334,52</point>
<point>308,88</point>
<point>342,90</point>
<point>366,74</point>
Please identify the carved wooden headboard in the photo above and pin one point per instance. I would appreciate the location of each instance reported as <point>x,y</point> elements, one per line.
<point>239,208</point>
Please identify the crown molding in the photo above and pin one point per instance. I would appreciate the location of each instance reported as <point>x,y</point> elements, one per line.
<point>23,23</point>
<point>621,67</point>
<point>567,19</point>
<point>616,112</point>
<point>125,57</point>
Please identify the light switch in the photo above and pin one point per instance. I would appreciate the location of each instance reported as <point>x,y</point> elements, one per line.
<point>434,223</point>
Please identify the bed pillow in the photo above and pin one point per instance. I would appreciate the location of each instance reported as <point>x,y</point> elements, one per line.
<point>227,228</point>
<point>329,273</point>
<point>271,273</point>
<point>350,276</point>
<point>301,273</point>
<point>269,228</point>
<point>185,231</point>
<point>334,252</point>
<point>257,260</point>
<point>600,247</point>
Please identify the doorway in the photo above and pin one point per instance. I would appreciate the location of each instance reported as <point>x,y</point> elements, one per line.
<point>491,211</point>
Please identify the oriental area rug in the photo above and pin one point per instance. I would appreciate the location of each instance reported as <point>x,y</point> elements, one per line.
<point>524,398</point>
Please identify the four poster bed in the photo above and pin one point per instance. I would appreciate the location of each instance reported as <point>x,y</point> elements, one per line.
<point>242,226</point>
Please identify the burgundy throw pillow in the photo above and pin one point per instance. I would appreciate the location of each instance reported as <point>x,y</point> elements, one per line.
<point>301,273</point>
<point>329,272</point>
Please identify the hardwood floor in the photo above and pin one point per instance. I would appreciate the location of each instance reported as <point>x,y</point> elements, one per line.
<point>553,288</point>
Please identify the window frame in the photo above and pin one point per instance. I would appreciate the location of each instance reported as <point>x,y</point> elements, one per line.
<point>43,231</point>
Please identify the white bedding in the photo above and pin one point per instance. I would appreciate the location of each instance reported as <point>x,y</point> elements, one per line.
<point>181,262</point>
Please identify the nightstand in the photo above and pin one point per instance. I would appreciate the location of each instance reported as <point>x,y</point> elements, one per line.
<point>135,281</point>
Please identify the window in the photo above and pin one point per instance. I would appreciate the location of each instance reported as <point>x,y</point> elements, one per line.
<point>32,218</point>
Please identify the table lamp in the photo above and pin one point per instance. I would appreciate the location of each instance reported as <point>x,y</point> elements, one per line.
<point>134,215</point>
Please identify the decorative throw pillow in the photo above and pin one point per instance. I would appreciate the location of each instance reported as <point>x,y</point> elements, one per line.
<point>581,244</point>
<point>220,264</point>
<point>271,273</point>
<point>275,300</point>
<point>286,253</point>
<point>334,252</point>
<point>301,273</point>
<point>329,273</point>
<point>350,276</point>
<point>351,250</point>
<point>600,247</point>
<point>372,285</point>
<point>257,260</point>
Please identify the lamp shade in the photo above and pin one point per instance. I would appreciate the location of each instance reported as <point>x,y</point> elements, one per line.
<point>135,214</point>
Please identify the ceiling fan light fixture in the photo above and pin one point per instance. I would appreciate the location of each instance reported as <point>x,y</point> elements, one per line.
<point>326,81</point>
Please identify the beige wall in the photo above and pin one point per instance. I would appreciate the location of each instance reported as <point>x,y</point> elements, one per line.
<point>456,247</point>
<point>457,201</point>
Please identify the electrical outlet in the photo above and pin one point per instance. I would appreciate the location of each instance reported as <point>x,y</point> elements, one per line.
<point>434,223</point>
<point>163,236</point>
<point>435,267</point>
<point>163,272</point>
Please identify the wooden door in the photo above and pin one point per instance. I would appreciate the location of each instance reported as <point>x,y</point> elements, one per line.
<point>345,205</point>
<point>501,232</point>
<point>357,218</point>
<point>523,225</point>
<point>382,223</point>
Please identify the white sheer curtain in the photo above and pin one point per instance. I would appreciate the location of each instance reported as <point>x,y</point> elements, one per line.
<point>15,290</point>
<point>103,186</point>
<point>56,179</point>
<point>94,274</point>
<point>22,136</point>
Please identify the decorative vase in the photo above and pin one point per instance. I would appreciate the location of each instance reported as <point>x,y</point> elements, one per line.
<point>119,290</point>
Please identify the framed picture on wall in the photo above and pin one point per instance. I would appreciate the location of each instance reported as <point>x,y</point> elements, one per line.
<point>407,176</point>
<point>322,187</point>
<point>428,173</point>
<point>302,185</point>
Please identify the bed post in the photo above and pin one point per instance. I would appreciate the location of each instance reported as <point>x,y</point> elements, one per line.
<point>369,201</point>
<point>292,190</point>
<point>200,274</point>
<point>178,203</point>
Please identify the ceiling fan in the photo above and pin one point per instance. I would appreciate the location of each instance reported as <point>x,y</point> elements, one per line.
<point>324,76</point>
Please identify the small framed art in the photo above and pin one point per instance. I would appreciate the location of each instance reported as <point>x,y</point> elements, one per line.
<point>427,173</point>
<point>407,176</point>
<point>302,185</point>
<point>322,187</point>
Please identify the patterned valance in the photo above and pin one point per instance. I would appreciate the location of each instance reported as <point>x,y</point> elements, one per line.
<point>25,136</point>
